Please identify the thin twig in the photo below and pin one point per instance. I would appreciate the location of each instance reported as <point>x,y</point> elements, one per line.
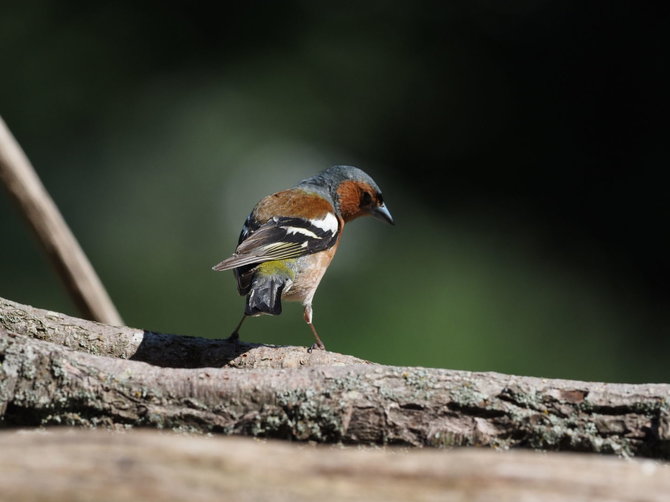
<point>54,235</point>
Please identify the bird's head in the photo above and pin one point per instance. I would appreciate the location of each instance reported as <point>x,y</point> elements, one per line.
<point>353,192</point>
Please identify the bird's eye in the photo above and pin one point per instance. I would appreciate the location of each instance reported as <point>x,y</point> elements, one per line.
<point>366,199</point>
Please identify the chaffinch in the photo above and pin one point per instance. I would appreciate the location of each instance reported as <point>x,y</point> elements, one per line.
<point>290,238</point>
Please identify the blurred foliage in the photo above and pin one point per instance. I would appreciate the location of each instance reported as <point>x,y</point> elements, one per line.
<point>517,145</point>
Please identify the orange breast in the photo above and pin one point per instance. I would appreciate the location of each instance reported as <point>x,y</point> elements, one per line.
<point>311,269</point>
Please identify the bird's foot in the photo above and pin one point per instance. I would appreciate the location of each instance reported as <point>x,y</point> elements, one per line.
<point>318,346</point>
<point>234,337</point>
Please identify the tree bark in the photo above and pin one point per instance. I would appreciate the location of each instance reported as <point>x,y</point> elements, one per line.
<point>172,351</point>
<point>64,465</point>
<point>59,370</point>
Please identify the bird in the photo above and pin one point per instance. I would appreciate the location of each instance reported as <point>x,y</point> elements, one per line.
<point>290,238</point>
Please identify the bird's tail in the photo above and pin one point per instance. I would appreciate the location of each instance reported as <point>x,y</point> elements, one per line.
<point>265,295</point>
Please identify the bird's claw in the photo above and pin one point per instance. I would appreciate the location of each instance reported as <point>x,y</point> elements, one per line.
<point>318,346</point>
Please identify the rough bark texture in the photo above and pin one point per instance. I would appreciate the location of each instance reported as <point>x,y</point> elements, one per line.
<point>285,392</point>
<point>65,465</point>
<point>171,351</point>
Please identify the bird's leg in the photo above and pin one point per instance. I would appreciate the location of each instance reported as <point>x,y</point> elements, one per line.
<point>235,335</point>
<point>308,319</point>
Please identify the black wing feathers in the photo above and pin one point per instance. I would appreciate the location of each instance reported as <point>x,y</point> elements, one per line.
<point>280,238</point>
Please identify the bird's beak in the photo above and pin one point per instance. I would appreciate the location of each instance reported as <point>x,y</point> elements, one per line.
<point>382,213</point>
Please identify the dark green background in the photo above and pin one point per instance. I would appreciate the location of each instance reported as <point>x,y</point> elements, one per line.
<point>520,146</point>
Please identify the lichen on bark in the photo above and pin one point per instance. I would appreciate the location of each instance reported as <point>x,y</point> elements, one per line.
<point>85,376</point>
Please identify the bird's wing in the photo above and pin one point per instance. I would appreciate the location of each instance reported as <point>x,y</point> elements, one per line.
<point>282,238</point>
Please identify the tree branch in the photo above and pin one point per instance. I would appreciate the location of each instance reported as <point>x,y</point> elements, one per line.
<point>39,209</point>
<point>64,465</point>
<point>158,349</point>
<point>284,392</point>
